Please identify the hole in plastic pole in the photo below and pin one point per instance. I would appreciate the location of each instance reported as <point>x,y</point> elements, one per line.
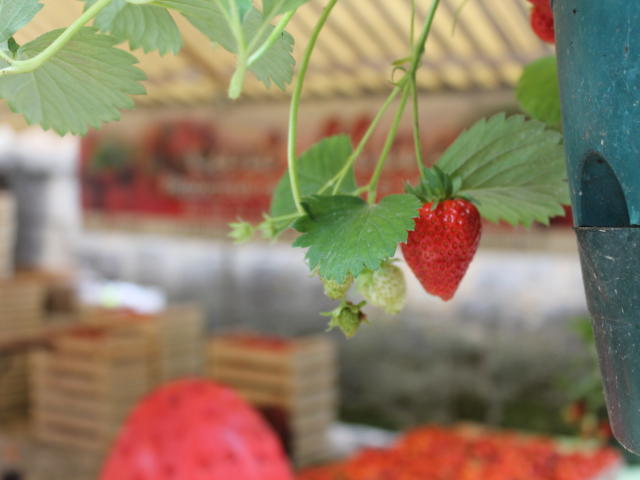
<point>602,200</point>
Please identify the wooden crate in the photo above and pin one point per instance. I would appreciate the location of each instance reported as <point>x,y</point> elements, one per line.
<point>83,388</point>
<point>175,342</point>
<point>292,381</point>
<point>7,233</point>
<point>22,301</point>
<point>58,463</point>
<point>14,394</point>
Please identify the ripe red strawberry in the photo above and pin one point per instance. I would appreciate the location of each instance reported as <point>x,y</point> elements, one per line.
<point>446,236</point>
<point>542,20</point>
<point>443,244</point>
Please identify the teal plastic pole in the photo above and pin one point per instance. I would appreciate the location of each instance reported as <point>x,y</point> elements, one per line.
<point>598,45</point>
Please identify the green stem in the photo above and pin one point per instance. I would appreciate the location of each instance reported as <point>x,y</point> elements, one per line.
<point>422,42</point>
<point>412,31</point>
<point>237,81</point>
<point>419,50</point>
<point>26,66</point>
<point>271,39</point>
<point>6,57</point>
<point>417,134</point>
<point>266,21</point>
<point>284,218</point>
<point>295,106</point>
<point>342,174</point>
<point>393,132</point>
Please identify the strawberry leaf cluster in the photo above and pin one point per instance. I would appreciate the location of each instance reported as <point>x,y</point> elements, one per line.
<point>73,79</point>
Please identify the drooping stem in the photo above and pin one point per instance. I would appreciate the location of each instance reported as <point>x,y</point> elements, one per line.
<point>237,80</point>
<point>391,137</point>
<point>6,57</point>
<point>26,66</point>
<point>342,174</point>
<point>422,42</point>
<point>271,39</point>
<point>412,28</point>
<point>408,82</point>
<point>295,106</point>
<point>417,135</point>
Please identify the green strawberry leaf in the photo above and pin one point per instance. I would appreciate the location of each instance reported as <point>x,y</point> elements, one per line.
<point>277,64</point>
<point>15,14</point>
<point>513,168</point>
<point>84,85</point>
<point>144,26</point>
<point>316,167</point>
<point>276,7</point>
<point>538,91</point>
<point>210,17</point>
<point>345,235</point>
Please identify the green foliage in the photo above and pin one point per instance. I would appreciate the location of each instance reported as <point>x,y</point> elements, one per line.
<point>83,85</point>
<point>16,14</point>
<point>145,26</point>
<point>538,91</point>
<point>276,66</point>
<point>346,235</point>
<point>215,19</point>
<point>276,7</point>
<point>514,169</point>
<point>316,167</point>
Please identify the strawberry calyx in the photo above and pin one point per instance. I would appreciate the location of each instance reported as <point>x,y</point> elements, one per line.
<point>348,317</point>
<point>436,186</point>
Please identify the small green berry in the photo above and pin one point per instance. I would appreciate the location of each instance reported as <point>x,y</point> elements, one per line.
<point>241,232</point>
<point>335,290</point>
<point>385,288</point>
<point>348,317</point>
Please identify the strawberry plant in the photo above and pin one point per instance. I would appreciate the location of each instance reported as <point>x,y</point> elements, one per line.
<point>502,169</point>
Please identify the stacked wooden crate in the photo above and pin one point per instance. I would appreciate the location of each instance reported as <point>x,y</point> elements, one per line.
<point>7,233</point>
<point>21,313</point>
<point>175,343</point>
<point>85,385</point>
<point>292,381</point>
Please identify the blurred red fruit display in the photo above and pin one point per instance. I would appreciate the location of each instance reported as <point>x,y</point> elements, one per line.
<point>459,454</point>
<point>196,430</point>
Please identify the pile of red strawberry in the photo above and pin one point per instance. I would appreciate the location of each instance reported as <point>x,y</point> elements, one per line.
<point>542,20</point>
<point>444,454</point>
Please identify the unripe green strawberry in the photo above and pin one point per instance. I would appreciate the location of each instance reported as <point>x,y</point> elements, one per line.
<point>385,288</point>
<point>347,317</point>
<point>335,290</point>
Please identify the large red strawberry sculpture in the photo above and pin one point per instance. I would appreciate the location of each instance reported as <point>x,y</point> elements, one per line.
<point>196,430</point>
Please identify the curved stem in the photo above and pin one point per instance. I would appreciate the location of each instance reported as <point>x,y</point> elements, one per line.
<point>6,57</point>
<point>237,81</point>
<point>26,66</point>
<point>417,134</point>
<point>375,178</point>
<point>295,106</point>
<point>341,175</point>
<point>412,30</point>
<point>422,42</point>
<point>271,39</point>
<point>284,218</point>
